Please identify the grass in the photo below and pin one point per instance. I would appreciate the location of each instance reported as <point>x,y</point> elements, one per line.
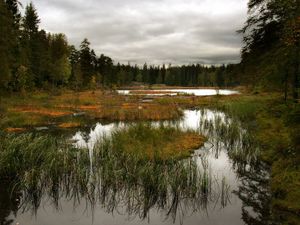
<point>159,143</point>
<point>40,165</point>
<point>43,108</point>
<point>274,126</point>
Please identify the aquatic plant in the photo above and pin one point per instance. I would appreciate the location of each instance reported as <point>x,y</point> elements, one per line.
<point>117,178</point>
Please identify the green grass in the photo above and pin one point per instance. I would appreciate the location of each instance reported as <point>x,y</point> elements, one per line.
<point>162,142</point>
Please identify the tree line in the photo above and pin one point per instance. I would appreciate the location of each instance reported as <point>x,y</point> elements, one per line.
<point>32,58</point>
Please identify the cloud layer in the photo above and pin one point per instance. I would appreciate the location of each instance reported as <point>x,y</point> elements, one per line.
<point>153,31</point>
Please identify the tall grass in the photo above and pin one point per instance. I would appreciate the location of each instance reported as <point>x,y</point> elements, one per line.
<point>227,132</point>
<point>40,166</point>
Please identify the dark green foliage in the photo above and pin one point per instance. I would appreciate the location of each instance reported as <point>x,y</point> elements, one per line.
<point>31,20</point>
<point>86,62</point>
<point>270,57</point>
<point>7,44</point>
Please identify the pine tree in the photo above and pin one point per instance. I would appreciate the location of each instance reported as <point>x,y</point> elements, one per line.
<point>86,62</point>
<point>29,43</point>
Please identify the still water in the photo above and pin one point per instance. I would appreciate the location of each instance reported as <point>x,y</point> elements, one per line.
<point>237,190</point>
<point>173,92</point>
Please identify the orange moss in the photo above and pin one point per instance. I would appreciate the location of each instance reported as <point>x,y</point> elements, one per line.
<point>69,125</point>
<point>182,146</point>
<point>15,129</point>
<point>89,107</point>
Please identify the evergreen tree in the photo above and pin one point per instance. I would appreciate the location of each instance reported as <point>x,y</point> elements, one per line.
<point>13,7</point>
<point>30,43</point>
<point>31,20</point>
<point>86,62</point>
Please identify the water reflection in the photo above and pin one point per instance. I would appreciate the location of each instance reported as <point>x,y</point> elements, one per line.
<point>174,92</point>
<point>222,183</point>
<point>8,204</point>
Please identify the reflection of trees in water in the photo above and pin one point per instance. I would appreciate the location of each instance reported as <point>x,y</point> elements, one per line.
<point>8,203</point>
<point>255,194</point>
<point>253,188</point>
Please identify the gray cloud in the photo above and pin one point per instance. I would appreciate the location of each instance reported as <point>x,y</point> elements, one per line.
<point>155,31</point>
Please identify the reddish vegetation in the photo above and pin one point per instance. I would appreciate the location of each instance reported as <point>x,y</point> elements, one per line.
<point>184,145</point>
<point>15,129</point>
<point>69,125</point>
<point>42,108</point>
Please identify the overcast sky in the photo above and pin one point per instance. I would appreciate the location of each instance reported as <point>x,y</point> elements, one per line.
<point>153,31</point>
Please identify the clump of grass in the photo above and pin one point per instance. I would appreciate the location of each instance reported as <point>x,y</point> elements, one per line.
<point>162,142</point>
<point>244,110</point>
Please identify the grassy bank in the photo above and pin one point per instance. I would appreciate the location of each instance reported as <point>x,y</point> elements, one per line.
<point>275,126</point>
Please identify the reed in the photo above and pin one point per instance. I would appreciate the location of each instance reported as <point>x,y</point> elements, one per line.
<point>40,166</point>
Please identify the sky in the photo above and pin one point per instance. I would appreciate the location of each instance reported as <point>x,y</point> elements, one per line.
<point>153,31</point>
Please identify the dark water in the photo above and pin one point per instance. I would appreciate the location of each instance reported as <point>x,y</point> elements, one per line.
<point>237,191</point>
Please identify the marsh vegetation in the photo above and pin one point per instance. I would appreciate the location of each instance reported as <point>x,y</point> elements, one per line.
<point>141,171</point>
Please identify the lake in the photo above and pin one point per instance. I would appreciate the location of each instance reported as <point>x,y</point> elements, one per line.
<point>232,187</point>
<point>174,92</point>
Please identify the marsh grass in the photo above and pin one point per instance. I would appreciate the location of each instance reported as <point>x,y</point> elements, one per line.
<point>156,142</point>
<point>43,108</point>
<point>41,166</point>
